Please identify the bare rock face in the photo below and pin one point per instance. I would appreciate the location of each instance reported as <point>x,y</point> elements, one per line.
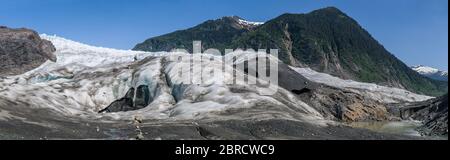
<point>358,111</point>
<point>344,106</point>
<point>22,50</point>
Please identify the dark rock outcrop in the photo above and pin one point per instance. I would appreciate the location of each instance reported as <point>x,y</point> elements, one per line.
<point>123,104</point>
<point>22,50</point>
<point>133,100</point>
<point>287,78</point>
<point>433,113</point>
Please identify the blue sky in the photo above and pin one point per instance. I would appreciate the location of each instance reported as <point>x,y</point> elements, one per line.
<point>416,31</point>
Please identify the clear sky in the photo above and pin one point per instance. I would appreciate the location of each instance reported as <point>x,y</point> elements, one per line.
<point>416,31</point>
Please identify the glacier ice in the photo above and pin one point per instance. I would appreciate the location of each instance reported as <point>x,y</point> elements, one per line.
<point>86,79</point>
<point>370,90</point>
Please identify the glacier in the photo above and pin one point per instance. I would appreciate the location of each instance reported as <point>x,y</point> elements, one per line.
<point>63,98</point>
<point>376,92</point>
<point>86,79</point>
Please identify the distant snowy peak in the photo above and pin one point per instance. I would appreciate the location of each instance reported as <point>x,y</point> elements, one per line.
<point>425,69</point>
<point>431,72</point>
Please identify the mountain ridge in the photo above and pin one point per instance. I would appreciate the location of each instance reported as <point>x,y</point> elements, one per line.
<point>326,40</point>
<point>213,33</point>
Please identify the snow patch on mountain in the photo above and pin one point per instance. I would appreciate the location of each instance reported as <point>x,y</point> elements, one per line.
<point>249,23</point>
